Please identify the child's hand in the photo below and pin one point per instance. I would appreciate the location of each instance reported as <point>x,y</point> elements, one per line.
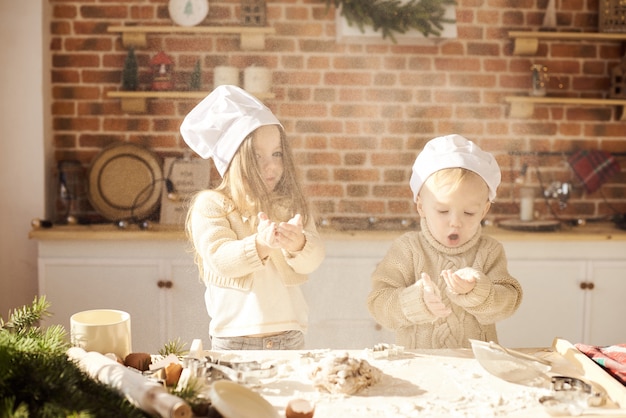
<point>290,235</point>
<point>459,283</point>
<point>432,298</point>
<point>266,231</point>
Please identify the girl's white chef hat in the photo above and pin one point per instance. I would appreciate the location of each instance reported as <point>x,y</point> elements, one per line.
<point>217,126</point>
<point>454,151</point>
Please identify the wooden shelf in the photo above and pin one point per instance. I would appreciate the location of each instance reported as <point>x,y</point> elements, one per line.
<point>527,43</point>
<point>251,37</point>
<point>524,106</point>
<point>136,101</point>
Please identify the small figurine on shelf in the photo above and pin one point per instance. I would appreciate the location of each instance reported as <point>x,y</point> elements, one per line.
<point>130,72</point>
<point>195,82</point>
<point>253,12</point>
<point>162,72</point>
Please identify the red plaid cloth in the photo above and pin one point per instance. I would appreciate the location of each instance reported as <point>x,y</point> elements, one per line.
<point>593,168</point>
<point>612,358</point>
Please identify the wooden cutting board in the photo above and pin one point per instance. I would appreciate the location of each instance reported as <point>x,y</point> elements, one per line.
<point>533,226</point>
<point>592,371</point>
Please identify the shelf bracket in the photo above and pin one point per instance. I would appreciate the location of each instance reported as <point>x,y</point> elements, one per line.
<point>525,46</point>
<point>134,39</point>
<point>522,110</point>
<point>134,104</point>
<point>252,41</point>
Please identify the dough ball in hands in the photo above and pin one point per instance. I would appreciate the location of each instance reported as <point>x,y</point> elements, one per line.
<point>468,274</point>
<point>344,374</point>
<point>460,282</point>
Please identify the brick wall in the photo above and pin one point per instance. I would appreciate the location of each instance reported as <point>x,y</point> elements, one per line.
<point>357,114</point>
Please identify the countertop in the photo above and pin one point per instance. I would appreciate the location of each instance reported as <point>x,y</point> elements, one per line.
<point>601,231</point>
<point>434,383</point>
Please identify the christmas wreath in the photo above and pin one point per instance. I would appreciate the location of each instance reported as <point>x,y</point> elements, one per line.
<point>395,17</point>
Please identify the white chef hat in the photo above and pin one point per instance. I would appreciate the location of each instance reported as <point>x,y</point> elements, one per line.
<point>454,151</point>
<point>217,126</point>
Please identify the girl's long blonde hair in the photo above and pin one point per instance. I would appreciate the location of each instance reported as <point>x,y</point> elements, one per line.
<point>243,183</point>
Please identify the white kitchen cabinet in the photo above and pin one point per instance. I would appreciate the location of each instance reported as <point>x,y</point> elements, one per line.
<point>155,281</point>
<point>337,293</point>
<point>574,286</point>
<point>555,271</point>
<point>552,304</point>
<point>605,309</point>
<point>572,290</point>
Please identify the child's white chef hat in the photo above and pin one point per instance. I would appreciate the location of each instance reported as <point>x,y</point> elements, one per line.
<point>454,151</point>
<point>217,126</point>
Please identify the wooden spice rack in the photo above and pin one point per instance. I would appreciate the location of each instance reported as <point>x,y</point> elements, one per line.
<point>527,43</point>
<point>251,38</point>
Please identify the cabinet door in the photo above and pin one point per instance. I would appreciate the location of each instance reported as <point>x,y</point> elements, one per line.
<point>552,305</point>
<point>606,309</point>
<point>74,285</point>
<point>338,317</point>
<point>188,319</point>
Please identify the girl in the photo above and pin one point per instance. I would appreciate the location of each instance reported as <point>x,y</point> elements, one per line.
<point>254,238</point>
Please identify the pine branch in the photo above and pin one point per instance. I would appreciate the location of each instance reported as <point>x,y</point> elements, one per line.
<point>393,17</point>
<point>176,347</point>
<point>38,380</point>
<point>26,317</point>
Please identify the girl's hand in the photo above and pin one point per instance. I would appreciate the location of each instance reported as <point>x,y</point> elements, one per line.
<point>432,298</point>
<point>459,284</point>
<point>266,231</point>
<point>290,234</point>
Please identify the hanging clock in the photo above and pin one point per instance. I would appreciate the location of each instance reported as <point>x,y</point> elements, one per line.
<point>188,12</point>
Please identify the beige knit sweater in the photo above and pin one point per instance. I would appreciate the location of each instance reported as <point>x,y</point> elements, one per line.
<point>224,239</point>
<point>396,299</point>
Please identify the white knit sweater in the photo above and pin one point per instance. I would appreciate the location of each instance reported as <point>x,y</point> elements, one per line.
<point>225,241</point>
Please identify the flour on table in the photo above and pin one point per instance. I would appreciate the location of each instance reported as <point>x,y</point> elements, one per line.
<point>441,383</point>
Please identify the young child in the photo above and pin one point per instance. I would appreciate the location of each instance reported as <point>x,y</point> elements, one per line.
<point>254,238</point>
<point>447,283</point>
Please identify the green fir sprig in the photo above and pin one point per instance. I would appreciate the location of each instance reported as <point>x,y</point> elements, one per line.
<point>37,379</point>
<point>394,17</point>
<point>176,347</point>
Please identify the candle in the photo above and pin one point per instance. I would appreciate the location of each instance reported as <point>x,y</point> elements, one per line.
<point>224,75</point>
<point>527,197</point>
<point>257,79</point>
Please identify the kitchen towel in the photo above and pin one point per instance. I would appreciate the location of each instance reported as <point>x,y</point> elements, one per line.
<point>593,168</point>
<point>612,358</point>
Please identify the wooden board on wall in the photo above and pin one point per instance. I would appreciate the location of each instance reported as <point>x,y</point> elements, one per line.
<point>187,176</point>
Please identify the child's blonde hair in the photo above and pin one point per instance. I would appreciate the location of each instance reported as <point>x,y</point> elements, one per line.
<point>244,184</point>
<point>453,178</point>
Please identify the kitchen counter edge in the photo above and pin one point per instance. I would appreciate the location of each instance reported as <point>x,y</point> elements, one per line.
<point>102,232</point>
